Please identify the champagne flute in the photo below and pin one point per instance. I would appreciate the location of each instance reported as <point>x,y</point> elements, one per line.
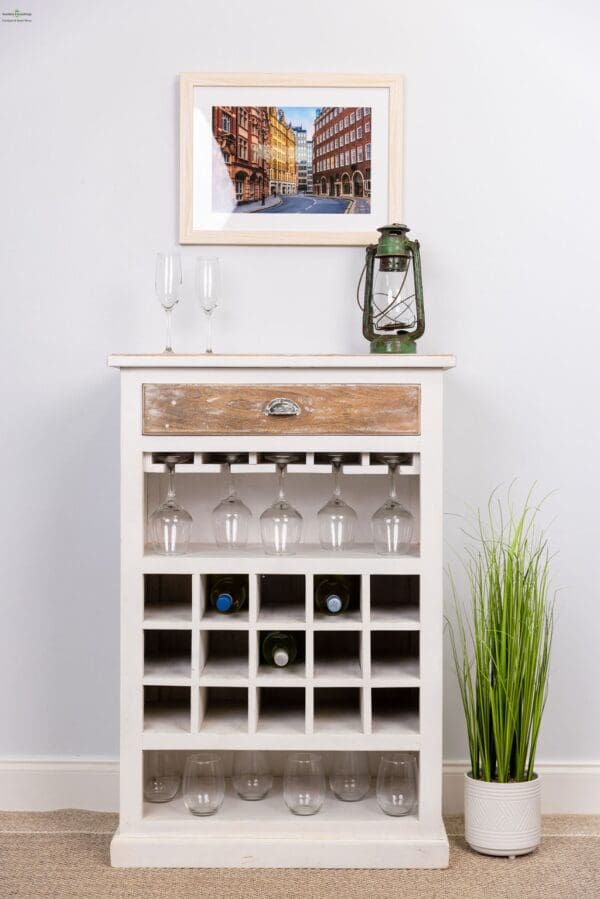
<point>167,283</point>
<point>208,288</point>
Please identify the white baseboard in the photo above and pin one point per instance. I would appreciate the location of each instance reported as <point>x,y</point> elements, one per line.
<point>572,788</point>
<point>45,784</point>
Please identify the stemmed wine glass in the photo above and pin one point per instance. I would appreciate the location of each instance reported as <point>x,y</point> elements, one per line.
<point>170,524</point>
<point>167,283</point>
<point>208,287</point>
<point>392,523</point>
<point>281,524</point>
<point>231,517</point>
<point>337,520</point>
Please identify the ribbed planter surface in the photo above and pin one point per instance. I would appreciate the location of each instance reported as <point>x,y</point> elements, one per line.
<point>502,819</point>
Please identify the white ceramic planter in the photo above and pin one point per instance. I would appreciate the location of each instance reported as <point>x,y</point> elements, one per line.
<point>502,819</point>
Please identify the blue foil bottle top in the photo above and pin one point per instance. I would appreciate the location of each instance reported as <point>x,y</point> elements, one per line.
<point>224,602</point>
<point>333,603</point>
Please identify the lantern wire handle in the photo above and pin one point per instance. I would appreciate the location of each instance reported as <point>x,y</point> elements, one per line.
<point>360,280</point>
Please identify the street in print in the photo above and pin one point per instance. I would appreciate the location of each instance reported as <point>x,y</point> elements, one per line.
<point>292,159</point>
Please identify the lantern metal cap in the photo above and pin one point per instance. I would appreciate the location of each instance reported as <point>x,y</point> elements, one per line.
<point>394,228</point>
<point>393,241</point>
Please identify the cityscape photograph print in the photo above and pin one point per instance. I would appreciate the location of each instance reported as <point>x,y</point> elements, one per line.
<point>292,159</point>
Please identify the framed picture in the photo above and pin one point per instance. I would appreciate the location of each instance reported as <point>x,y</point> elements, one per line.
<point>289,159</point>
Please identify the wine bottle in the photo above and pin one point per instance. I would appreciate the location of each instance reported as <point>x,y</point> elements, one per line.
<point>228,593</point>
<point>279,649</point>
<point>332,594</point>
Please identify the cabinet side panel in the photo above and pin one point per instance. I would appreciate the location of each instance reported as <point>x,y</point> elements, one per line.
<point>431,600</point>
<point>132,602</point>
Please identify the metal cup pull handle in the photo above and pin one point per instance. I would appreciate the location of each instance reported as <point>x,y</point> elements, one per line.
<point>282,406</point>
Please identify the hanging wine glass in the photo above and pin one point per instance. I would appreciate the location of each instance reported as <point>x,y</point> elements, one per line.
<point>170,524</point>
<point>231,517</point>
<point>337,520</point>
<point>281,524</point>
<point>167,284</point>
<point>392,524</point>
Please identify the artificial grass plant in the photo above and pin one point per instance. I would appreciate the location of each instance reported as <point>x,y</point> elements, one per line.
<point>501,639</point>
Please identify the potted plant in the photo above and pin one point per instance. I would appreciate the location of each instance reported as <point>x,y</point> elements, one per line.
<point>501,639</point>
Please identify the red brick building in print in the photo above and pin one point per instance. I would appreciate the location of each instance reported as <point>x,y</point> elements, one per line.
<point>242,133</point>
<point>342,152</point>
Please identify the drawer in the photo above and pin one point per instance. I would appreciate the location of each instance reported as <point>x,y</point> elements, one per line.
<point>216,409</point>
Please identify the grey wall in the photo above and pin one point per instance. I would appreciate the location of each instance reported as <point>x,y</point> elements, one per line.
<point>501,186</point>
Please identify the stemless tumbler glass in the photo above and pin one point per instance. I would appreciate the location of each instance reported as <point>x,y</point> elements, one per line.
<point>397,784</point>
<point>252,778</point>
<point>304,783</point>
<point>161,777</point>
<point>203,783</point>
<point>349,775</point>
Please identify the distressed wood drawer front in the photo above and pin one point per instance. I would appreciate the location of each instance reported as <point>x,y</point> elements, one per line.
<point>303,409</point>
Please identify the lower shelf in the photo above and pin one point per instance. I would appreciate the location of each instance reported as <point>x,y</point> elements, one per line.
<point>266,834</point>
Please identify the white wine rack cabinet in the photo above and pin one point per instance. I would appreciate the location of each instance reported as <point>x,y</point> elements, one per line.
<point>369,679</point>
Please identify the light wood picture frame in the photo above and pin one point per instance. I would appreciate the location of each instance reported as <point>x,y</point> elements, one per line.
<point>246,141</point>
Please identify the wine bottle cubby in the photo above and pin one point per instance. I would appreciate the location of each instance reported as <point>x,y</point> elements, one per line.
<point>363,673</point>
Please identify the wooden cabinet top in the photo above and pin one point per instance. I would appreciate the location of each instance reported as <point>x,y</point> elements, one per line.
<point>252,361</point>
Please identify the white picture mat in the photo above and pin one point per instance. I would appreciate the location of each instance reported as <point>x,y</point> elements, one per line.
<point>205,97</point>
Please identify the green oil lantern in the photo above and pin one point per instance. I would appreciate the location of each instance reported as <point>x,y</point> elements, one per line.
<point>393,311</point>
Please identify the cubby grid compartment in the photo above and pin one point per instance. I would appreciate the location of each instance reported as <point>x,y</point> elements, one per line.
<point>167,709</point>
<point>223,710</point>
<point>352,617</point>
<point>395,710</point>
<point>167,600</point>
<point>281,710</point>
<point>295,670</point>
<point>167,657</point>
<point>209,616</point>
<point>223,656</point>
<point>395,657</point>
<point>281,601</point>
<point>338,656</point>
<point>394,601</point>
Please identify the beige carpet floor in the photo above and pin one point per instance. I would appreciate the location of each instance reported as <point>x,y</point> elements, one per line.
<point>65,855</point>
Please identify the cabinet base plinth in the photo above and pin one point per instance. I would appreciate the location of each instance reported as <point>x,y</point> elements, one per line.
<point>168,850</point>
